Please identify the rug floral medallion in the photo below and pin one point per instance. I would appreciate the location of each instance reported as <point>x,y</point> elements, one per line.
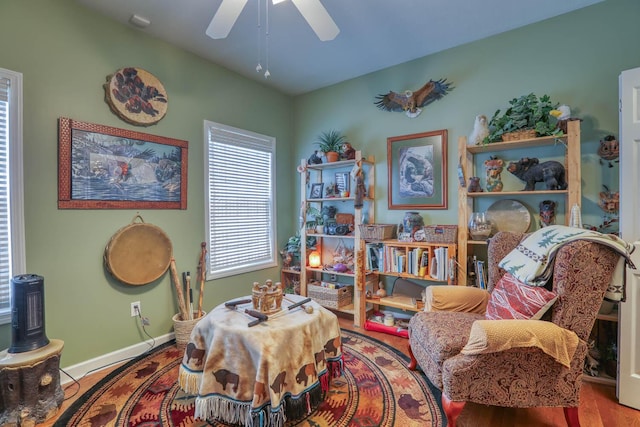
<point>376,389</point>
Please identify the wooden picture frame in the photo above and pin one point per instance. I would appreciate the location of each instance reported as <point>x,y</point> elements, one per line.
<point>343,182</point>
<point>417,171</point>
<point>102,167</point>
<point>316,190</point>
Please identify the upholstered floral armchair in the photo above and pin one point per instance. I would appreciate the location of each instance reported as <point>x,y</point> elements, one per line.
<point>514,363</point>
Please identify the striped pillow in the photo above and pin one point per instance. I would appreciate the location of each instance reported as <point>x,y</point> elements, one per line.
<point>512,299</point>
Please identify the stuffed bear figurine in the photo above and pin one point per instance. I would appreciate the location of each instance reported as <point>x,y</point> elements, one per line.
<point>474,185</point>
<point>347,152</point>
<point>530,170</point>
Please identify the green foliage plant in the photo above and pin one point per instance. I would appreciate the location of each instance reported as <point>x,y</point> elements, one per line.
<point>330,141</point>
<point>525,112</point>
<point>316,214</point>
<point>293,244</point>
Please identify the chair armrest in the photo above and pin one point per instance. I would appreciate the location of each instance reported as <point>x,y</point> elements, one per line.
<point>492,336</point>
<point>455,298</point>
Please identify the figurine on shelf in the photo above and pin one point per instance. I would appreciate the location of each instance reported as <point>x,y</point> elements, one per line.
<point>314,159</point>
<point>530,170</point>
<point>331,190</point>
<point>493,167</point>
<point>381,292</point>
<point>547,213</point>
<point>347,152</point>
<point>474,185</point>
<point>287,258</point>
<point>480,130</point>
<point>563,115</point>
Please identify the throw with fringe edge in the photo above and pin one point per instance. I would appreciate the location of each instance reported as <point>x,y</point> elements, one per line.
<point>261,375</point>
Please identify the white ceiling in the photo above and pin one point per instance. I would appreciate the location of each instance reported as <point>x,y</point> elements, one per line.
<point>374,34</point>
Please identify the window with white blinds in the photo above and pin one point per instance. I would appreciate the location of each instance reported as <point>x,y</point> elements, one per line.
<point>12,254</point>
<point>240,200</point>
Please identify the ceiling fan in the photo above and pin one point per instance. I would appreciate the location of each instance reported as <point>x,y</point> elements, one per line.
<point>312,10</point>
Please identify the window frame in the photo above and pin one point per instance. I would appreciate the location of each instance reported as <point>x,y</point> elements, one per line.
<point>266,144</point>
<point>17,263</point>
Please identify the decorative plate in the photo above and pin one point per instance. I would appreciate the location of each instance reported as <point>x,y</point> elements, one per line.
<point>136,96</point>
<point>509,215</point>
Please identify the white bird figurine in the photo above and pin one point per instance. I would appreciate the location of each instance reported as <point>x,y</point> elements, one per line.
<point>480,130</point>
<point>563,112</point>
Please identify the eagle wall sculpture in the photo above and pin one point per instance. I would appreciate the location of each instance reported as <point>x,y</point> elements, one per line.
<point>411,102</point>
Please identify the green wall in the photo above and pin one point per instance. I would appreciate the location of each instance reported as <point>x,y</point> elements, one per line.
<point>575,58</point>
<point>65,53</point>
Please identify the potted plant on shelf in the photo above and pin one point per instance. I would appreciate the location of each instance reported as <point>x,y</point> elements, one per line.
<point>293,247</point>
<point>527,117</point>
<point>330,143</point>
<point>317,221</point>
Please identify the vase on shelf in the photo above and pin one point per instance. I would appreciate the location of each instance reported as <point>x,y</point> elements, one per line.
<point>412,222</point>
<point>479,226</point>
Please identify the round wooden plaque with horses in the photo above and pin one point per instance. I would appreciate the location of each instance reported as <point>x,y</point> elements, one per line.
<point>138,253</point>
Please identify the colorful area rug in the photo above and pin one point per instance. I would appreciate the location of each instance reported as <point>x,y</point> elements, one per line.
<point>376,390</point>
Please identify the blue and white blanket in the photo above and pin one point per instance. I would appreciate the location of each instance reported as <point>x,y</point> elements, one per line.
<point>531,262</point>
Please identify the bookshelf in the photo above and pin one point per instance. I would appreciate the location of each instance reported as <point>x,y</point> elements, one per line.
<point>421,261</point>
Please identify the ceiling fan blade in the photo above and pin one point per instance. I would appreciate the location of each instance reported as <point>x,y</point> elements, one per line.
<point>318,18</point>
<point>224,18</point>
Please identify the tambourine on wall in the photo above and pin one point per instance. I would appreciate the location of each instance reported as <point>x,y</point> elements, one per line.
<point>136,96</point>
<point>138,253</point>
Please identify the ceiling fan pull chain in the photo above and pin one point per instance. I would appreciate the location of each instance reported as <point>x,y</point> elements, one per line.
<point>266,6</point>
<point>259,66</point>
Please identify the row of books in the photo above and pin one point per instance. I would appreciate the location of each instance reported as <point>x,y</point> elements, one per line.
<point>477,273</point>
<point>414,261</point>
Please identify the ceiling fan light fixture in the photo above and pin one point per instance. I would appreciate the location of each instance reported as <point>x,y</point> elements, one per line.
<point>312,11</point>
<point>224,18</point>
<point>318,19</point>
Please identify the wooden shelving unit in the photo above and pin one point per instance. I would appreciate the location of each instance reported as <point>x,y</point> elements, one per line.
<point>569,143</point>
<point>325,173</point>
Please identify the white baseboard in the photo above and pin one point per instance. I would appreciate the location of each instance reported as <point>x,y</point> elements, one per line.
<point>99,363</point>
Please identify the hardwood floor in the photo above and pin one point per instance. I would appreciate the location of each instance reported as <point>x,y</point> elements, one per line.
<point>598,408</point>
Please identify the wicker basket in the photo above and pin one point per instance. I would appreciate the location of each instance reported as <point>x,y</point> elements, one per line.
<point>377,231</point>
<point>441,233</point>
<point>519,134</point>
<point>183,328</point>
<point>331,298</point>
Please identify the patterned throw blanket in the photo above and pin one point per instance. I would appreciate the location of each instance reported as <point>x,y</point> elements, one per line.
<point>531,262</point>
<point>261,375</point>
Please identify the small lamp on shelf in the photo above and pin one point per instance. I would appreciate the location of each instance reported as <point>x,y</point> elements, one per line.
<point>314,259</point>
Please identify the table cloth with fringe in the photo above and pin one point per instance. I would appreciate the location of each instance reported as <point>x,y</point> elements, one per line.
<point>261,375</point>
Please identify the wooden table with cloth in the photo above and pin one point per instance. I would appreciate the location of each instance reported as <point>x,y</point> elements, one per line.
<point>262,375</point>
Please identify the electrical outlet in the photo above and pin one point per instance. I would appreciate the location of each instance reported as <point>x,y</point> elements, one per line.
<point>136,308</point>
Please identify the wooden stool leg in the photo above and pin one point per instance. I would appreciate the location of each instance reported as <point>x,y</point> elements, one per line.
<point>413,364</point>
<point>452,410</point>
<point>571,415</point>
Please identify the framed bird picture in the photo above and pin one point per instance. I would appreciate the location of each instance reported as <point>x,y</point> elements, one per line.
<point>102,167</point>
<point>417,171</point>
